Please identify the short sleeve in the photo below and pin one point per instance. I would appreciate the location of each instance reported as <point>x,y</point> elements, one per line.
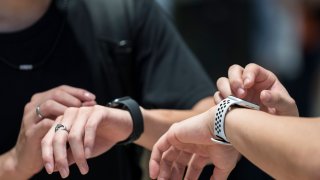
<point>169,75</point>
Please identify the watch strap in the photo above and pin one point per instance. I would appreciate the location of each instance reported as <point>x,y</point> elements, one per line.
<point>222,109</point>
<point>133,107</point>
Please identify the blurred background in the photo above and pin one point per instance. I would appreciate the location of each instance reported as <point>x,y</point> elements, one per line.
<point>281,35</point>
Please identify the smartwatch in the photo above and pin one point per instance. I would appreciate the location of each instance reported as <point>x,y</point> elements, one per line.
<point>222,109</point>
<point>127,103</point>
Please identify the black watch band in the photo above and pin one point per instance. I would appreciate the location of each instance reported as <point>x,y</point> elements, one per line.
<point>127,103</point>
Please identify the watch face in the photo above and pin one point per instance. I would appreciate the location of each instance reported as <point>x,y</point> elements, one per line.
<point>119,103</point>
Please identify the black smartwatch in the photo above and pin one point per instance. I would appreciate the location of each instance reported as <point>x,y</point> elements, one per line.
<point>127,103</point>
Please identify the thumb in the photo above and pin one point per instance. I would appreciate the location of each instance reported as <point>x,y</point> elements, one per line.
<point>282,103</point>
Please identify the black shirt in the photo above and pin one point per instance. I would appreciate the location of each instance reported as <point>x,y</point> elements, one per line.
<point>167,76</point>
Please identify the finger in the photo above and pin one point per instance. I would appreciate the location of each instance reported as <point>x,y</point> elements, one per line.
<point>224,87</point>
<point>221,173</point>
<point>79,93</point>
<point>156,154</point>
<point>180,165</point>
<point>76,139</point>
<point>236,81</point>
<point>282,103</point>
<point>91,131</point>
<point>42,128</point>
<point>195,167</point>
<point>37,133</point>
<point>167,162</point>
<point>89,103</point>
<point>30,116</point>
<point>65,98</point>
<point>51,109</point>
<point>258,76</point>
<point>60,142</point>
<point>47,149</point>
<point>217,97</point>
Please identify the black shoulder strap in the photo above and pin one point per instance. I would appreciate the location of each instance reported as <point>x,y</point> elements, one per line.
<point>113,20</point>
<point>103,27</point>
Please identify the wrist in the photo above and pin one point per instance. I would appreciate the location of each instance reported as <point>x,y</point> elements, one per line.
<point>10,167</point>
<point>211,115</point>
<point>127,103</point>
<point>223,108</point>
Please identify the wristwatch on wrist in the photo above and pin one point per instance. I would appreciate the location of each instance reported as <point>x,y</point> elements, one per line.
<point>127,103</point>
<point>222,109</point>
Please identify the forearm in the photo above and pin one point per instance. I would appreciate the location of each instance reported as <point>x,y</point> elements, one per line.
<point>157,122</point>
<point>278,145</point>
<point>8,167</point>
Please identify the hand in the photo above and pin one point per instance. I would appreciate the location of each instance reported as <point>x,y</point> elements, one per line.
<point>54,102</point>
<point>92,131</point>
<point>258,85</point>
<point>27,151</point>
<point>188,143</point>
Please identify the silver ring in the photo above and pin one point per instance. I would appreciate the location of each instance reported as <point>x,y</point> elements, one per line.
<point>62,127</point>
<point>38,112</point>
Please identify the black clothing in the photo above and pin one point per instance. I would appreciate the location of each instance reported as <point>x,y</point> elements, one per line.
<point>163,72</point>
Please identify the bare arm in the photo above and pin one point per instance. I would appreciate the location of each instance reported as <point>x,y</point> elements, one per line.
<point>284,147</point>
<point>164,118</point>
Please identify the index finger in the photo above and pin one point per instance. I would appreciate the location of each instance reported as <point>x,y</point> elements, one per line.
<point>254,74</point>
<point>154,164</point>
<point>236,81</point>
<point>79,93</point>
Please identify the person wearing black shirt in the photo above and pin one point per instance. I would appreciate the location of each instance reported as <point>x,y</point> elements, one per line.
<point>47,48</point>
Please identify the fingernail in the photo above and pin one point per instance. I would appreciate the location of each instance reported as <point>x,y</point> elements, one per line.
<point>64,172</point>
<point>84,168</point>
<point>89,95</point>
<point>240,91</point>
<point>49,168</point>
<point>87,152</point>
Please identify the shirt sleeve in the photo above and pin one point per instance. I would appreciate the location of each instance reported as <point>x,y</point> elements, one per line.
<point>169,75</point>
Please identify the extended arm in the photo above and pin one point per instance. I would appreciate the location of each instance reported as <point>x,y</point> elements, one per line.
<point>284,147</point>
<point>162,119</point>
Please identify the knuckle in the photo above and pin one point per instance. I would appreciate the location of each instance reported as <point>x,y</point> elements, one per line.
<point>49,104</point>
<point>35,96</point>
<point>251,65</point>
<point>233,67</point>
<point>58,142</point>
<point>72,137</point>
<point>220,81</point>
<point>28,107</point>
<point>29,133</point>
<point>44,142</point>
<point>63,87</point>
<point>56,94</point>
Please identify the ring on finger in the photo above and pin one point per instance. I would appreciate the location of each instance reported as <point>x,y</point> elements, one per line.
<point>38,112</point>
<point>62,127</point>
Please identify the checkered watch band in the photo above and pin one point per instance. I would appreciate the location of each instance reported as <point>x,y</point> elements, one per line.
<point>222,109</point>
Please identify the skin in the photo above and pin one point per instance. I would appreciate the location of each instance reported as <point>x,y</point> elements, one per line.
<point>17,15</point>
<point>24,159</point>
<point>271,142</point>
<point>96,129</point>
<point>257,85</point>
